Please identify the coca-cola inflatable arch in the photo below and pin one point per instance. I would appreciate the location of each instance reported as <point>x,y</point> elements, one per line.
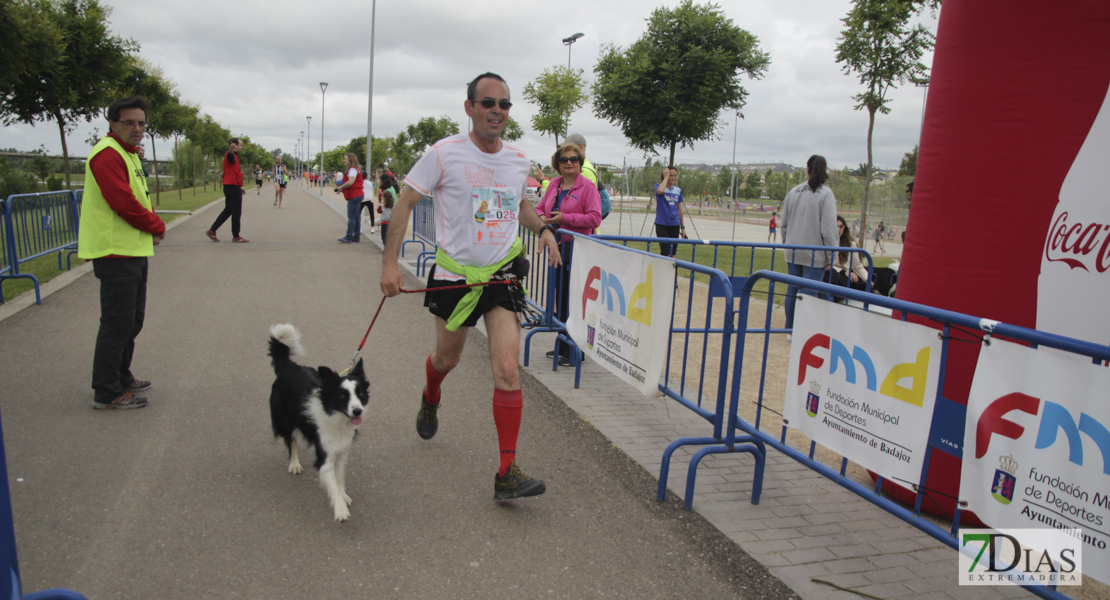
<point>1011,209</point>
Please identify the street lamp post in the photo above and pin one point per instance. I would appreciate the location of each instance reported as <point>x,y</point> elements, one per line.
<point>732,184</point>
<point>300,157</point>
<point>323,89</point>
<point>308,141</point>
<point>568,42</point>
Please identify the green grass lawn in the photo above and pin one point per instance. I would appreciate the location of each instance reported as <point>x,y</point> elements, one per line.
<point>45,268</point>
<point>739,262</point>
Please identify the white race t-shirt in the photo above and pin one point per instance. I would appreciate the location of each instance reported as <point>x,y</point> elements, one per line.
<point>477,197</point>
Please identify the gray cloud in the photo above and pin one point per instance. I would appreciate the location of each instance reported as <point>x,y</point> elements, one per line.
<point>255,66</point>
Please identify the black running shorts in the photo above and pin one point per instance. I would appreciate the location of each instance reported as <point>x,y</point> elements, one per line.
<point>442,304</point>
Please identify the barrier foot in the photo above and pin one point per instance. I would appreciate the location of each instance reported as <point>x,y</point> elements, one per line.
<point>665,468</point>
<point>54,594</point>
<point>692,473</point>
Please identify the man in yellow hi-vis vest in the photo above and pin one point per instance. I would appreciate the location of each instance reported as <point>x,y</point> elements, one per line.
<point>118,231</point>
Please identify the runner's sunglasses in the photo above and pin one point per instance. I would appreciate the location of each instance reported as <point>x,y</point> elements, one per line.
<point>490,103</point>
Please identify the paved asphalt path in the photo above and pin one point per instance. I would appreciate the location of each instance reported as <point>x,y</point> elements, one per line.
<point>189,497</point>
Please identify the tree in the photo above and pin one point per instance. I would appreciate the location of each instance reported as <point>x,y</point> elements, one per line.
<point>41,166</point>
<point>512,130</point>
<point>146,80</point>
<point>77,74</point>
<point>908,168</point>
<point>410,144</point>
<point>884,50</point>
<point>753,186</point>
<point>557,93</point>
<point>670,86</point>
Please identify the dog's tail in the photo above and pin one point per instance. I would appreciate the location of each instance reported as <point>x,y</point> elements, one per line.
<point>285,341</point>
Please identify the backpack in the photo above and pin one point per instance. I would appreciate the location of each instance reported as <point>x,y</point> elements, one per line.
<point>606,200</point>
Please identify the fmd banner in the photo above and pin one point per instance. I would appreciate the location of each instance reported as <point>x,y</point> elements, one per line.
<point>620,310</point>
<point>1037,446</point>
<point>863,385</point>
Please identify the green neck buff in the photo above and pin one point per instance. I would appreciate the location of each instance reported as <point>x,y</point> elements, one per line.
<point>473,275</point>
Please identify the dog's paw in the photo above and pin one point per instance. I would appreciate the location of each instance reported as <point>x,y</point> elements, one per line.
<point>295,468</point>
<point>347,499</point>
<point>342,514</point>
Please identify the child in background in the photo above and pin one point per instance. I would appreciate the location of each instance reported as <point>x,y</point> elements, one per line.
<point>385,209</point>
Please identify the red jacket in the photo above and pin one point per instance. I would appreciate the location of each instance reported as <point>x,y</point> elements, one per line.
<point>233,174</point>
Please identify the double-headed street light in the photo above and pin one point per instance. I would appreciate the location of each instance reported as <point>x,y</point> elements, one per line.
<point>308,140</point>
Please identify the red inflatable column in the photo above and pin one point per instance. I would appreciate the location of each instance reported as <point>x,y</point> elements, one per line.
<point>1011,208</point>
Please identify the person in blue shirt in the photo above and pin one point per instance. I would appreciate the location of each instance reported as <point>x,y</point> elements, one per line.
<point>670,219</point>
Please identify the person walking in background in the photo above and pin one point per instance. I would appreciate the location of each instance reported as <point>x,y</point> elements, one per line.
<point>233,194</point>
<point>258,180</point>
<point>878,235</point>
<point>464,173</point>
<point>772,235</point>
<point>670,220</point>
<point>385,212</point>
<point>572,203</point>
<point>118,232</point>
<point>280,180</point>
<point>808,219</point>
<point>352,193</point>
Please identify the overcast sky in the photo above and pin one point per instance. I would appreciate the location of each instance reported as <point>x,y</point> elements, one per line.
<point>255,66</point>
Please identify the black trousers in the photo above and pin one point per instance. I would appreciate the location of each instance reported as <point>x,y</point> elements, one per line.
<point>122,311</point>
<point>668,231</point>
<point>233,207</point>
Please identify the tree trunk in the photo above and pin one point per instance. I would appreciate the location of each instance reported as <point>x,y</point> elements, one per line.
<point>177,169</point>
<point>157,181</point>
<point>670,162</point>
<point>866,180</point>
<point>65,149</point>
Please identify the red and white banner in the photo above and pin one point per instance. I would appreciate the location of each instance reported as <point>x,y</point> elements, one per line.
<point>1037,446</point>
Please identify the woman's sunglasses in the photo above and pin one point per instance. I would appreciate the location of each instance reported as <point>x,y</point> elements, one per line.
<point>490,103</point>
<point>568,159</point>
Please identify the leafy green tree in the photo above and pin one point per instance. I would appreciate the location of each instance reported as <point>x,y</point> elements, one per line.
<point>884,50</point>
<point>211,141</point>
<point>908,167</point>
<point>146,80</point>
<point>41,166</point>
<point>670,86</point>
<point>411,144</point>
<point>778,184</point>
<point>254,154</point>
<point>76,76</point>
<point>724,179</point>
<point>512,131</point>
<point>29,45</point>
<point>557,93</point>
<point>753,185</point>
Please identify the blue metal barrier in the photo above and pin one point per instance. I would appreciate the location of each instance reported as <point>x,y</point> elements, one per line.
<point>423,233</point>
<point>10,582</point>
<point>37,225</point>
<point>947,423</point>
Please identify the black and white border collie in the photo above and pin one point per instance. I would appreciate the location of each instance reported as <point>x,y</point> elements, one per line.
<point>319,407</point>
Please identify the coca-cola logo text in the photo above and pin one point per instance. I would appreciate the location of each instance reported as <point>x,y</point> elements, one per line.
<point>1074,244</point>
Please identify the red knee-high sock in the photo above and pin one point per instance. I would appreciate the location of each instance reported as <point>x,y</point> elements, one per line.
<point>506,415</point>
<point>434,378</point>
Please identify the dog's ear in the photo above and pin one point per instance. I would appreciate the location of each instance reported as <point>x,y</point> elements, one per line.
<point>358,372</point>
<point>327,375</point>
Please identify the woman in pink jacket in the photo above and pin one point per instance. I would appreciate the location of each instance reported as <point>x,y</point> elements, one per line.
<point>573,203</point>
